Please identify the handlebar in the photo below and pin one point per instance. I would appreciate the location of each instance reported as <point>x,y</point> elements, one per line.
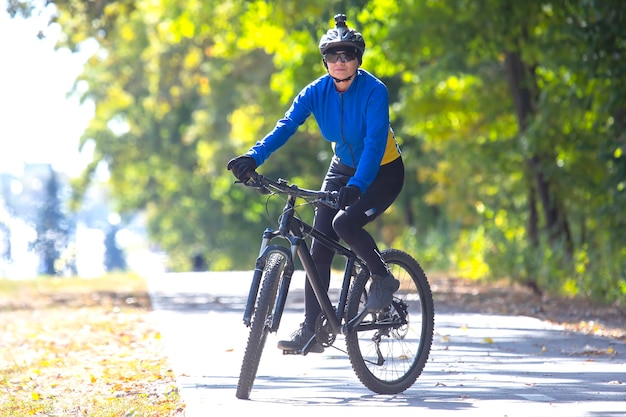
<point>282,186</point>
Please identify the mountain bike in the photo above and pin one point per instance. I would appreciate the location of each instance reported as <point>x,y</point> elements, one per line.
<point>387,350</point>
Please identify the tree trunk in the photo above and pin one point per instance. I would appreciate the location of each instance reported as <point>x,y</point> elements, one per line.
<point>522,85</point>
<point>532,228</point>
<point>409,217</point>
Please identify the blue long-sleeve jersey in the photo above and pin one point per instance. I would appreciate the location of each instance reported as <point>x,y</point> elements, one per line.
<point>355,121</point>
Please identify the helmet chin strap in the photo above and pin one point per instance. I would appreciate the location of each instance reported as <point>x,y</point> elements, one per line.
<point>339,80</point>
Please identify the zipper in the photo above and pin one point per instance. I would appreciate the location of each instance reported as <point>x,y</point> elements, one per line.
<point>341,130</point>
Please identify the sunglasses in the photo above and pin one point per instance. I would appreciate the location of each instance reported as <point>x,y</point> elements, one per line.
<point>344,57</point>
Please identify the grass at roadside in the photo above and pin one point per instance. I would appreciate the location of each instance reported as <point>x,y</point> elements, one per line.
<point>82,347</point>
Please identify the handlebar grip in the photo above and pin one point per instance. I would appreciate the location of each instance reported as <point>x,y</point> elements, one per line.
<point>253,181</point>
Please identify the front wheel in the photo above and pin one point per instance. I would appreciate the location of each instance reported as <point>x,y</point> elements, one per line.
<point>261,322</point>
<point>388,350</point>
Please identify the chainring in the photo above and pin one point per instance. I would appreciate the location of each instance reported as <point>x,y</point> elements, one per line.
<point>323,334</point>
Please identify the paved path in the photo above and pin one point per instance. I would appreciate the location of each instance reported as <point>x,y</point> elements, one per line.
<point>480,365</point>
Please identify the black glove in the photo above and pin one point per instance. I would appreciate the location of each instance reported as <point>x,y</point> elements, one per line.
<point>348,195</point>
<point>241,166</point>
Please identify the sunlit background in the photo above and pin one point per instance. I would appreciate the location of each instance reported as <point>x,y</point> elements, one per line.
<point>40,127</point>
<point>40,123</point>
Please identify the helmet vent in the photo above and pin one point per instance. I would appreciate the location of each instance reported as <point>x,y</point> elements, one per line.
<point>342,36</point>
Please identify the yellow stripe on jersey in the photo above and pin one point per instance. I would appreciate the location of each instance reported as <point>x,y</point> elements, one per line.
<point>392,151</point>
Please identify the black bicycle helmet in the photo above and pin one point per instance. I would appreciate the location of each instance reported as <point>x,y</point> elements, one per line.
<point>342,37</point>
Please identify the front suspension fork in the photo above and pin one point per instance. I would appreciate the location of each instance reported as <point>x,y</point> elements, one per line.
<point>257,276</point>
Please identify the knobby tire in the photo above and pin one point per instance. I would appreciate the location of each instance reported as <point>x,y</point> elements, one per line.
<point>261,321</point>
<point>403,350</point>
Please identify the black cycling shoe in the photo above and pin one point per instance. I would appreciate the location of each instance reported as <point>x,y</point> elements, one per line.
<point>299,339</point>
<point>381,292</point>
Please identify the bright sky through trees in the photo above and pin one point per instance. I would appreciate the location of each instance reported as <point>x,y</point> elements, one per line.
<point>39,123</point>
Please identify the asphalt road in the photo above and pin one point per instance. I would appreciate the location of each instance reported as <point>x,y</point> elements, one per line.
<point>480,365</point>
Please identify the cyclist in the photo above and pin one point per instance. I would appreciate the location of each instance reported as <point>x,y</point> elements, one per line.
<point>351,107</point>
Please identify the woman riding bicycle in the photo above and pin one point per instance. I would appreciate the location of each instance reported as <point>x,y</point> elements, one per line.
<point>351,107</point>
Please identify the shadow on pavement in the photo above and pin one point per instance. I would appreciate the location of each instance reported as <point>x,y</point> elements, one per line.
<point>512,363</point>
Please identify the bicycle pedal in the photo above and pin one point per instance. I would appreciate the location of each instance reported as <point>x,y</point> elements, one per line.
<point>292,352</point>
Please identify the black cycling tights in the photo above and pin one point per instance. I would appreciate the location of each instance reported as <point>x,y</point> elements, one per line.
<point>348,225</point>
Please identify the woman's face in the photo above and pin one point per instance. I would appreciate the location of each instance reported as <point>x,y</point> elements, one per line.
<point>341,64</point>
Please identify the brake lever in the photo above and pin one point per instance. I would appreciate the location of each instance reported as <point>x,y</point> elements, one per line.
<point>252,181</point>
<point>330,200</point>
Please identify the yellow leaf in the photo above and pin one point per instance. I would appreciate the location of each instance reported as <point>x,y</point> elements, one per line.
<point>610,350</point>
<point>35,396</point>
<point>93,379</point>
<point>464,327</point>
<point>488,340</point>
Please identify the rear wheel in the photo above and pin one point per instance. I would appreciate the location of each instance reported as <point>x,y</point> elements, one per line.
<point>389,350</point>
<point>261,322</point>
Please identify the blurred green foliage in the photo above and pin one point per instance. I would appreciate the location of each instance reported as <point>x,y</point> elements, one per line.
<point>511,117</point>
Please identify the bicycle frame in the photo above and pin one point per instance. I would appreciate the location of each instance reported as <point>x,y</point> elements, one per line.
<point>295,232</point>
<point>387,351</point>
